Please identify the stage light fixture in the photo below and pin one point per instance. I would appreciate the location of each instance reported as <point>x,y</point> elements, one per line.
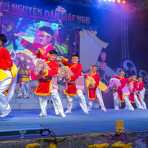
<point>114,1</point>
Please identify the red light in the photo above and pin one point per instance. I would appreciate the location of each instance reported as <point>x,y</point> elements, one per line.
<point>124,2</point>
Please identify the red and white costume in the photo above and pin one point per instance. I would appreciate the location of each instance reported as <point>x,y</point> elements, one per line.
<point>141,93</point>
<point>120,91</point>
<point>94,94</point>
<point>5,82</point>
<point>133,97</point>
<point>71,87</point>
<point>5,65</point>
<point>46,88</point>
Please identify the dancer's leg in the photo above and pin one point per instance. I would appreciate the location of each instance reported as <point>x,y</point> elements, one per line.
<point>57,102</point>
<point>83,104</point>
<point>100,98</point>
<point>43,106</point>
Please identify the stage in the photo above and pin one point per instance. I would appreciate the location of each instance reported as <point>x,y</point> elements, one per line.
<point>77,122</point>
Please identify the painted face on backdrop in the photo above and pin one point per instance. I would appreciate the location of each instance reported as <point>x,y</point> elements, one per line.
<point>43,38</point>
<point>103,56</point>
<point>75,60</point>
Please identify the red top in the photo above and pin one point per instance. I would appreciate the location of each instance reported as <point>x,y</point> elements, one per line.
<point>96,77</point>
<point>123,82</point>
<point>140,86</point>
<point>133,85</point>
<point>92,90</point>
<point>76,70</point>
<point>53,68</point>
<point>5,59</point>
<point>44,87</point>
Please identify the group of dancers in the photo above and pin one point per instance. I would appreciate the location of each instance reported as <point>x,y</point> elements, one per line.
<point>55,69</point>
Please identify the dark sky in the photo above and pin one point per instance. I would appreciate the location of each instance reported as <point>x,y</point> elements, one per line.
<point>138,37</point>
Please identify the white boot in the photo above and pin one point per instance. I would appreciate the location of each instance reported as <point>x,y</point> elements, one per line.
<point>142,96</point>
<point>137,102</point>
<point>90,104</point>
<point>100,98</point>
<point>128,104</point>
<point>43,106</point>
<point>116,101</point>
<point>57,103</point>
<point>83,104</point>
<point>69,104</point>
<point>55,108</point>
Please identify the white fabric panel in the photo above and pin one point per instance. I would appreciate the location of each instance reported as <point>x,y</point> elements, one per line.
<point>90,48</point>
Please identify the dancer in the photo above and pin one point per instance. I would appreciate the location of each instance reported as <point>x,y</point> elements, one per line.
<point>71,88</point>
<point>92,83</point>
<point>141,91</point>
<point>132,85</point>
<point>119,85</point>
<point>7,72</point>
<point>47,87</point>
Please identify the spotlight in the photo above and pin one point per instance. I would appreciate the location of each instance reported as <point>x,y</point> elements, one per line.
<point>118,1</point>
<point>123,2</point>
<point>114,1</point>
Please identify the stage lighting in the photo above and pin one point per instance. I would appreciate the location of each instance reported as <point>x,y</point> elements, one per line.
<point>114,1</point>
<point>124,2</point>
<point>118,1</point>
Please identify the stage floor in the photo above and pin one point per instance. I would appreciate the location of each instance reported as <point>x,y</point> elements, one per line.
<point>76,122</point>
